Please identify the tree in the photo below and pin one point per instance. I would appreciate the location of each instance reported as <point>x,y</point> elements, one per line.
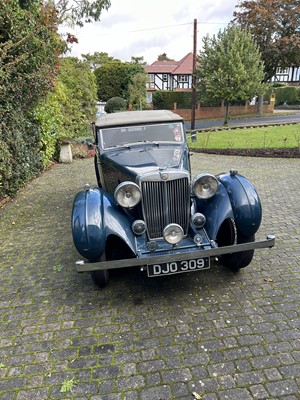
<point>80,11</point>
<point>163,57</point>
<point>137,91</point>
<point>275,26</point>
<point>97,59</point>
<point>79,107</point>
<point>114,77</point>
<point>230,67</point>
<point>138,60</point>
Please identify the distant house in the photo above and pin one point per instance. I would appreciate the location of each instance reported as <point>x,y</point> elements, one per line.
<point>169,75</point>
<point>290,75</point>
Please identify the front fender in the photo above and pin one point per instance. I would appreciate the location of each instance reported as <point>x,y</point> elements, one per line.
<point>245,202</point>
<point>216,210</point>
<point>95,216</point>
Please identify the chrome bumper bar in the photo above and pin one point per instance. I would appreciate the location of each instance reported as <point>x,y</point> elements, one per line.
<point>86,266</point>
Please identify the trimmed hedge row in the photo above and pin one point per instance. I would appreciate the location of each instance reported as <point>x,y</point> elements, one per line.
<point>289,95</point>
<point>166,99</point>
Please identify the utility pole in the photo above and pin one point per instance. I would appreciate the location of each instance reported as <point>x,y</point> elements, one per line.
<point>194,76</point>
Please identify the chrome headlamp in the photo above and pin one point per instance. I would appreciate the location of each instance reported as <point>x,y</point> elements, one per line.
<point>205,186</point>
<point>173,233</point>
<point>128,194</point>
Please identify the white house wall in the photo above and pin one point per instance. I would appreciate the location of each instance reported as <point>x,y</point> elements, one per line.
<point>169,81</point>
<point>288,75</point>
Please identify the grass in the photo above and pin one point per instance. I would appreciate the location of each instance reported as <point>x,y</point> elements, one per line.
<point>276,137</point>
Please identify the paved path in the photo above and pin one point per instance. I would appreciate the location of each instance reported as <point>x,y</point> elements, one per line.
<point>218,334</point>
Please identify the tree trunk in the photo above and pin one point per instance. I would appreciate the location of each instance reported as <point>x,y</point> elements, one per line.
<point>226,114</point>
<point>260,104</point>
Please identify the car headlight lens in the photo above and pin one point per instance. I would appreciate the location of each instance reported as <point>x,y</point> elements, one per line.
<point>173,233</point>
<point>205,186</point>
<point>128,194</point>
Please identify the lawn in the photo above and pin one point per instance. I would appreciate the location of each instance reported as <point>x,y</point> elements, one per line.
<point>276,137</point>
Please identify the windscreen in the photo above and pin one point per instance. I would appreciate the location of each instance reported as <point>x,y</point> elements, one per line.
<point>167,132</point>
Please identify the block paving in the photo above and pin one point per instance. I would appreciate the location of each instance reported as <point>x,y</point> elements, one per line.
<point>211,335</point>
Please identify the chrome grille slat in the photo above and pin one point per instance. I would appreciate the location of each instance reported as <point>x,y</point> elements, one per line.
<point>165,202</point>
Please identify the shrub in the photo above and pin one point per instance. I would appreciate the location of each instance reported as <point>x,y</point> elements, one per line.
<point>29,58</point>
<point>166,99</point>
<point>115,104</point>
<point>287,95</point>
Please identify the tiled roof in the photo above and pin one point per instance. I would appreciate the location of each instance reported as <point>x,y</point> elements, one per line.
<point>184,66</point>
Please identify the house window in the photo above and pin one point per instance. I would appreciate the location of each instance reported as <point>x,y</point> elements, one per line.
<point>151,77</point>
<point>165,77</point>
<point>183,78</point>
<point>282,71</point>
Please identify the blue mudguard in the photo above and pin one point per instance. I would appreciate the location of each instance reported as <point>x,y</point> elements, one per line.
<point>216,210</point>
<point>95,216</point>
<point>245,203</point>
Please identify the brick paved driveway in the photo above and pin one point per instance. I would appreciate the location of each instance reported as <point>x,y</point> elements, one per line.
<point>216,334</point>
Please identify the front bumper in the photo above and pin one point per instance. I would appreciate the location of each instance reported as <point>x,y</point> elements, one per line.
<point>86,266</point>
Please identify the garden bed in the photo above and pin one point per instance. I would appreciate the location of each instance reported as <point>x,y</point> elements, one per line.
<point>270,153</point>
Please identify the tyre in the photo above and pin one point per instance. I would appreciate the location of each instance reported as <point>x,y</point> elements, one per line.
<point>236,261</point>
<point>100,277</point>
<point>227,236</point>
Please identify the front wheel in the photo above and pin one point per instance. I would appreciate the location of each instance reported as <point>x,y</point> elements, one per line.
<point>236,261</point>
<point>100,277</point>
<point>228,235</point>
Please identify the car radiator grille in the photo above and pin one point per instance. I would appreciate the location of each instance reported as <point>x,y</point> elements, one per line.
<point>165,202</point>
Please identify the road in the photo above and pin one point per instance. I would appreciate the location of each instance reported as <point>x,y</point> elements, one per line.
<point>277,118</point>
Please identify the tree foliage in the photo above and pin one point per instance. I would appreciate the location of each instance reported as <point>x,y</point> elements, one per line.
<point>29,61</point>
<point>79,107</point>
<point>137,91</point>
<point>97,59</point>
<point>29,52</point>
<point>138,60</point>
<point>163,57</point>
<point>80,11</point>
<point>49,118</point>
<point>230,67</point>
<point>275,26</point>
<point>114,77</point>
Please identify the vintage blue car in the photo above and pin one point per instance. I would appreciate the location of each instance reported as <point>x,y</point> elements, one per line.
<point>148,212</point>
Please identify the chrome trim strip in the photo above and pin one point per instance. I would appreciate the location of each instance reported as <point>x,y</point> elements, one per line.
<point>85,266</point>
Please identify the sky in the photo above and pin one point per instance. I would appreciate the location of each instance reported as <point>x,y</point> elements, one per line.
<point>147,29</point>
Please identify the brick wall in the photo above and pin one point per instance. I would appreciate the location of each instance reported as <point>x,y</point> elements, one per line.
<point>219,112</point>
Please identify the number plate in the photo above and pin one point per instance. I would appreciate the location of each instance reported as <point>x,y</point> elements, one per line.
<point>177,267</point>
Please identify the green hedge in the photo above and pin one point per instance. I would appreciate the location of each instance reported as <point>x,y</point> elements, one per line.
<point>20,159</point>
<point>164,100</point>
<point>29,54</point>
<point>287,95</point>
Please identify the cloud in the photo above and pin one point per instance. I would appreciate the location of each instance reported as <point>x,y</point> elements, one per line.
<point>139,28</point>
